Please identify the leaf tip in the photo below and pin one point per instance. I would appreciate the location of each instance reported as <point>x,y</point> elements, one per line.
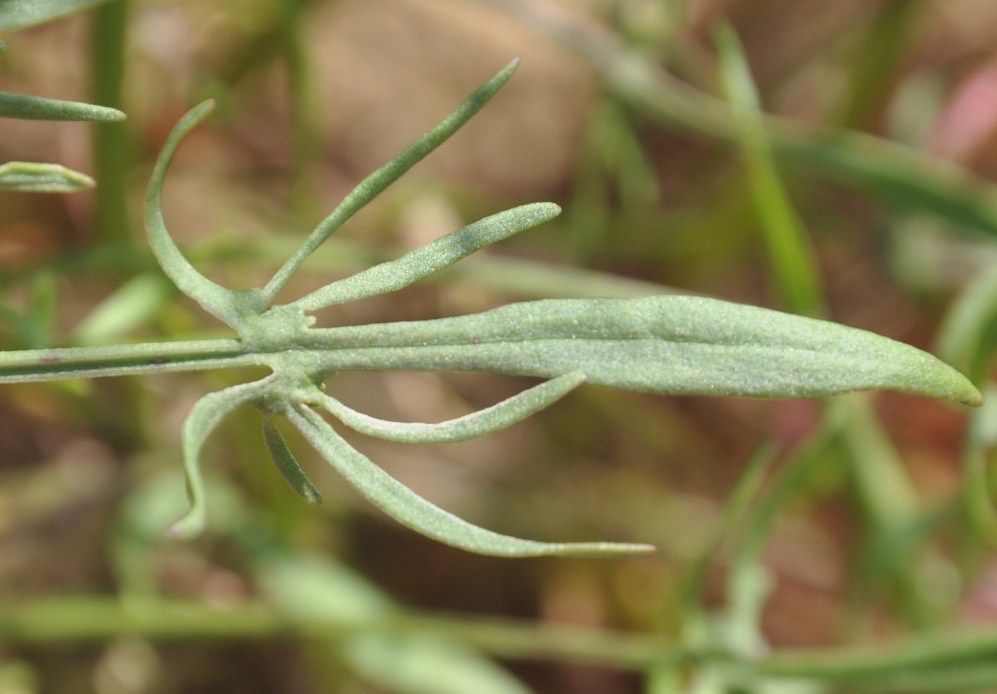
<point>287,464</point>
<point>204,108</point>
<point>611,549</point>
<point>188,527</point>
<point>593,550</point>
<point>953,385</point>
<point>972,397</point>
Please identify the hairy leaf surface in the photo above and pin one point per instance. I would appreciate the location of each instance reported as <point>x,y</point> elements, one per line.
<point>677,345</point>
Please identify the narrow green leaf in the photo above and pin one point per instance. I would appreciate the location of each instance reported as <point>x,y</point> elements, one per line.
<point>489,420</point>
<point>213,298</point>
<point>31,177</point>
<point>27,107</point>
<point>375,183</point>
<point>206,414</point>
<point>15,14</point>
<point>430,258</point>
<point>790,255</point>
<point>410,509</point>
<point>976,459</point>
<point>734,515</point>
<point>881,49</point>
<point>287,464</point>
<point>884,492</point>
<point>679,345</point>
<point>111,143</point>
<point>968,337</point>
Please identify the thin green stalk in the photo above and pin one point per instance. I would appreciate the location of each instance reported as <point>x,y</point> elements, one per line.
<point>111,149</point>
<point>748,557</point>
<point>737,506</point>
<point>80,620</point>
<point>791,256</point>
<point>886,493</point>
<point>119,360</point>
<point>305,141</point>
<point>65,620</point>
<point>976,459</point>
<point>878,55</point>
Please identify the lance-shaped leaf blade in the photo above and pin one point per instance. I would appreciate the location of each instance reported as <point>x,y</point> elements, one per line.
<point>489,420</point>
<point>27,107</point>
<point>431,258</point>
<point>677,345</point>
<point>410,509</point>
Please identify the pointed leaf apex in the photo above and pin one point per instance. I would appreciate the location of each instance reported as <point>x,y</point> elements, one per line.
<point>188,527</point>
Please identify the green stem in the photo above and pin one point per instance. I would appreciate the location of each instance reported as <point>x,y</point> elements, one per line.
<point>62,620</point>
<point>877,59</point>
<point>305,141</point>
<point>110,139</point>
<point>375,183</point>
<point>119,360</point>
<point>792,259</point>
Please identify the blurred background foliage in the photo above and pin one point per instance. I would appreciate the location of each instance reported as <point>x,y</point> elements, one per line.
<point>795,537</point>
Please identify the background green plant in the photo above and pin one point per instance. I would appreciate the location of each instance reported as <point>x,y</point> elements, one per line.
<point>752,504</point>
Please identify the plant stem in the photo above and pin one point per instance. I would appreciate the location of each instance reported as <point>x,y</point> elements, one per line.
<point>62,620</point>
<point>111,153</point>
<point>118,360</point>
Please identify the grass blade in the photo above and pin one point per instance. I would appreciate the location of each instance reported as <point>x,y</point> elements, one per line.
<point>790,255</point>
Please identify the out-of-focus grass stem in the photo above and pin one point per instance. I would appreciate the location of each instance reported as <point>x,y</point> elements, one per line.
<point>111,150</point>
